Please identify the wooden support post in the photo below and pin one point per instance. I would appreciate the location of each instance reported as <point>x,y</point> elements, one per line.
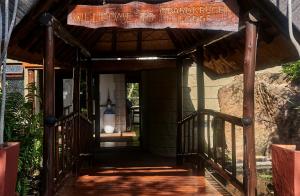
<point>76,87</point>
<point>90,93</point>
<point>76,109</point>
<point>179,152</point>
<point>248,107</point>
<point>97,109</point>
<point>49,112</point>
<point>201,106</point>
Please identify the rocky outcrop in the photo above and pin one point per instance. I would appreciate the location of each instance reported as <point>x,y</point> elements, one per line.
<point>276,118</point>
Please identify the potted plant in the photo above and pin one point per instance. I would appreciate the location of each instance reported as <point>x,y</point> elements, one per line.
<point>8,151</point>
<point>286,169</point>
<point>8,168</point>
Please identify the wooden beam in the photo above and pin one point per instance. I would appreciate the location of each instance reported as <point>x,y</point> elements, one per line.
<point>174,39</point>
<point>124,66</point>
<point>134,54</point>
<point>206,42</point>
<point>63,34</point>
<point>248,107</point>
<point>49,113</point>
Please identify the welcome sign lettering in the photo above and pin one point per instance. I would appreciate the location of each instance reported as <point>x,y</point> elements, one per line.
<point>183,14</point>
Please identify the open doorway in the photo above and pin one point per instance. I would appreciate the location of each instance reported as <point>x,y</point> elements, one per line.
<point>119,111</point>
<point>133,114</point>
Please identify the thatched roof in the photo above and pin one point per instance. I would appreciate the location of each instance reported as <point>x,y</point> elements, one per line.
<point>222,57</point>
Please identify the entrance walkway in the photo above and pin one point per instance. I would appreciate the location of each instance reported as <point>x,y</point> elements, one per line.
<point>131,173</point>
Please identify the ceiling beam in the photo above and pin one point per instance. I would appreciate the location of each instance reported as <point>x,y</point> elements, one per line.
<point>134,54</point>
<point>131,65</point>
<point>207,42</point>
<point>62,33</point>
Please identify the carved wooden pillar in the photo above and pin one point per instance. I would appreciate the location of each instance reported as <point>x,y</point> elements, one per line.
<point>49,111</point>
<point>248,107</point>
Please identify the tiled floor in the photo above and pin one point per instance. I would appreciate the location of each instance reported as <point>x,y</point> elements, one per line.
<point>132,173</point>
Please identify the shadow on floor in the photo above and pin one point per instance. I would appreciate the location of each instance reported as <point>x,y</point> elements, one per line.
<point>132,172</point>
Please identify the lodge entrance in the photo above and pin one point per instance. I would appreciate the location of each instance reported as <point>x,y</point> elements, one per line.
<point>166,129</point>
<point>160,54</point>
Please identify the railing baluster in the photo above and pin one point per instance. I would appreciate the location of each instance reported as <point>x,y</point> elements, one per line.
<point>56,163</point>
<point>63,128</point>
<point>215,144</point>
<point>223,144</point>
<point>215,134</point>
<point>208,136</point>
<point>184,138</point>
<point>233,149</point>
<point>189,136</point>
<point>193,135</point>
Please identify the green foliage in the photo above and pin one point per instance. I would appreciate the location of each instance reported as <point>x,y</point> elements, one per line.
<point>22,125</point>
<point>292,70</point>
<point>133,93</point>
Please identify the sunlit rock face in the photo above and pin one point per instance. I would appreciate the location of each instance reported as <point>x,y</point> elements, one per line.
<point>276,117</point>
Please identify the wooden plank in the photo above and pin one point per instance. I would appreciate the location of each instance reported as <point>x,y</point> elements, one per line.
<point>248,107</point>
<point>186,14</point>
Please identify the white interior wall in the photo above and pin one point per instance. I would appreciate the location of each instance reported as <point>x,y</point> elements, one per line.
<point>115,85</point>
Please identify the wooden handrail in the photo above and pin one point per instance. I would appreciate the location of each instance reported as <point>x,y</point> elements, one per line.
<point>232,119</point>
<point>72,114</point>
<point>85,118</point>
<point>189,141</point>
<point>188,117</point>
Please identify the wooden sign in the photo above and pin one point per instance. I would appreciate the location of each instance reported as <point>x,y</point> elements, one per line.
<point>186,14</point>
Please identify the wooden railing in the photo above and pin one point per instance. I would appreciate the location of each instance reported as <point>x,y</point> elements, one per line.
<point>86,140</point>
<point>215,127</point>
<point>73,136</point>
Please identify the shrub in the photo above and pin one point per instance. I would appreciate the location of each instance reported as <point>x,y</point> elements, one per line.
<point>292,70</point>
<point>22,125</point>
